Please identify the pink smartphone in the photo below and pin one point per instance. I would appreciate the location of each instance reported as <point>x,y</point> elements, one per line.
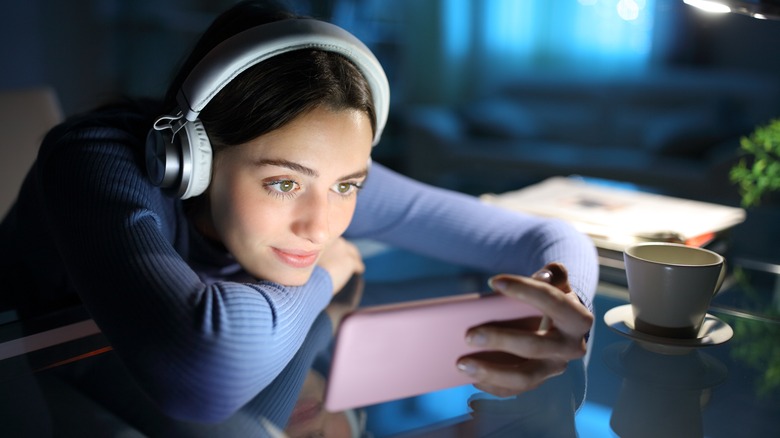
<point>394,351</point>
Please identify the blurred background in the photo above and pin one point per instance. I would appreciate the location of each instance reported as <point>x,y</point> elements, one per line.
<point>487,95</point>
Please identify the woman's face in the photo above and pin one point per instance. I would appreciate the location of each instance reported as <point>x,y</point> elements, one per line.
<point>279,200</point>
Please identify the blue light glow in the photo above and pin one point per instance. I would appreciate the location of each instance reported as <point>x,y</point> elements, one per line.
<point>600,32</point>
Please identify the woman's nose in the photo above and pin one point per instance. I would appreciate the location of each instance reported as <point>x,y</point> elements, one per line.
<point>312,220</point>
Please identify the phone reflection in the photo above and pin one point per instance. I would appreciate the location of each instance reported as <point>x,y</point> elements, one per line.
<point>310,419</point>
<point>661,395</point>
<point>547,411</point>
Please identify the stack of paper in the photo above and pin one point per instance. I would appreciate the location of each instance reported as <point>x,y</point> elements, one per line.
<point>617,217</point>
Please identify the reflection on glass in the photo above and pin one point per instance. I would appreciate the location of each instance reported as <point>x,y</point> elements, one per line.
<point>756,344</point>
<point>547,411</point>
<point>310,419</point>
<point>661,395</point>
<point>756,300</point>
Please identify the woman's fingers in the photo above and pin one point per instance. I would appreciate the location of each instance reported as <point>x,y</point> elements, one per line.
<point>551,343</point>
<point>562,308</point>
<point>529,354</point>
<point>504,379</point>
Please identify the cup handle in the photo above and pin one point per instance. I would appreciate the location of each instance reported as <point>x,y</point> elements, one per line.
<point>721,277</point>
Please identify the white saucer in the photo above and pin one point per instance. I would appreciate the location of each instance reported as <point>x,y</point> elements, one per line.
<point>713,332</point>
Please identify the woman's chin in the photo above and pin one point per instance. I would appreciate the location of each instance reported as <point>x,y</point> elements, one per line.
<point>287,279</point>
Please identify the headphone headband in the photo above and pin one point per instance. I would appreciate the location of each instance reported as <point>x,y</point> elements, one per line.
<point>250,47</point>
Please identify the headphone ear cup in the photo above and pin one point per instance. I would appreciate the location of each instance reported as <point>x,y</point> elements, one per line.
<point>162,158</point>
<point>196,160</point>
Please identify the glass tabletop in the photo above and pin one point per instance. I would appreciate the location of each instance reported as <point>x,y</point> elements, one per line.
<point>753,291</point>
<point>64,379</point>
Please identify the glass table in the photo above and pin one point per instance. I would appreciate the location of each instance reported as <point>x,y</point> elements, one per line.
<point>59,376</point>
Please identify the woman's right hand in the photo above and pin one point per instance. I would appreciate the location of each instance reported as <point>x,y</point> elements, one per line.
<point>342,260</point>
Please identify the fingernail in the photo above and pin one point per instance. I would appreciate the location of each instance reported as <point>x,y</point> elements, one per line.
<point>476,339</point>
<point>497,284</point>
<point>543,275</point>
<point>467,367</point>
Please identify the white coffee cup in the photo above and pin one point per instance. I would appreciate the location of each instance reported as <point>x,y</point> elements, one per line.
<point>670,287</point>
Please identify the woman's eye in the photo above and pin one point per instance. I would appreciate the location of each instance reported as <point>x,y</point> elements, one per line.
<point>285,186</point>
<point>345,188</point>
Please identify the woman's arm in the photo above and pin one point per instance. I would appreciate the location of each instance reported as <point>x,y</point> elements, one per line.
<point>201,351</point>
<point>462,230</point>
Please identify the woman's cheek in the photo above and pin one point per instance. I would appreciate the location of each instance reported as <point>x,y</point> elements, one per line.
<point>344,216</point>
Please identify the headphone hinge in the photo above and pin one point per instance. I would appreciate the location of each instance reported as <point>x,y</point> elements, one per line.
<point>174,123</point>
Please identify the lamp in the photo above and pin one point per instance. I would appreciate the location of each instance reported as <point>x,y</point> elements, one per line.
<point>761,9</point>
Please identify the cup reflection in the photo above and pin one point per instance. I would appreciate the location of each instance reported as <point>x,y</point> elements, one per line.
<point>661,395</point>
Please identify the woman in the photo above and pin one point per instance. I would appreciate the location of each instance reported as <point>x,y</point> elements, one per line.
<point>207,299</point>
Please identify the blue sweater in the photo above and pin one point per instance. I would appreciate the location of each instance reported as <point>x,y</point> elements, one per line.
<point>196,332</point>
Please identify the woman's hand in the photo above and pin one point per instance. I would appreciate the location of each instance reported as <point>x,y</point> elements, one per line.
<point>537,353</point>
<point>345,301</point>
<point>342,260</point>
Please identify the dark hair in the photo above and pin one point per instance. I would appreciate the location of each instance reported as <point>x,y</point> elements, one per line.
<point>271,94</point>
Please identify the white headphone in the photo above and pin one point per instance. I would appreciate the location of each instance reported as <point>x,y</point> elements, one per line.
<point>178,151</point>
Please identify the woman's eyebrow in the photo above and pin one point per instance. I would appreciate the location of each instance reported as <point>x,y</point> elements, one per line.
<point>355,175</point>
<point>290,165</point>
<point>296,167</point>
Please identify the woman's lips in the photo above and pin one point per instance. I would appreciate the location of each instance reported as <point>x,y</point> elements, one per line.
<point>296,258</point>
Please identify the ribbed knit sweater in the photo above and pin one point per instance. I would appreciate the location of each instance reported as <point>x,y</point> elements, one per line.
<point>198,334</point>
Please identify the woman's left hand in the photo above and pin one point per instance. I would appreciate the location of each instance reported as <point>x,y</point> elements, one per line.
<point>535,353</point>
<point>345,300</point>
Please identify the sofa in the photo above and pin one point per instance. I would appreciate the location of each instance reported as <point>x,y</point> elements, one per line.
<point>675,131</point>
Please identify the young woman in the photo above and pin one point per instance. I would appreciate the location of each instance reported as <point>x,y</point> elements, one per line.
<point>206,299</point>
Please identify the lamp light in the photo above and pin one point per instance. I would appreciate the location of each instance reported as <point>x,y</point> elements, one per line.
<point>760,9</point>
<point>712,6</point>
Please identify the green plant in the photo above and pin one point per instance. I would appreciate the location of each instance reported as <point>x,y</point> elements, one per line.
<point>758,171</point>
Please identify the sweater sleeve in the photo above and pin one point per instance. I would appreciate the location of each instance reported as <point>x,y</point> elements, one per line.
<point>462,230</point>
<point>201,351</point>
